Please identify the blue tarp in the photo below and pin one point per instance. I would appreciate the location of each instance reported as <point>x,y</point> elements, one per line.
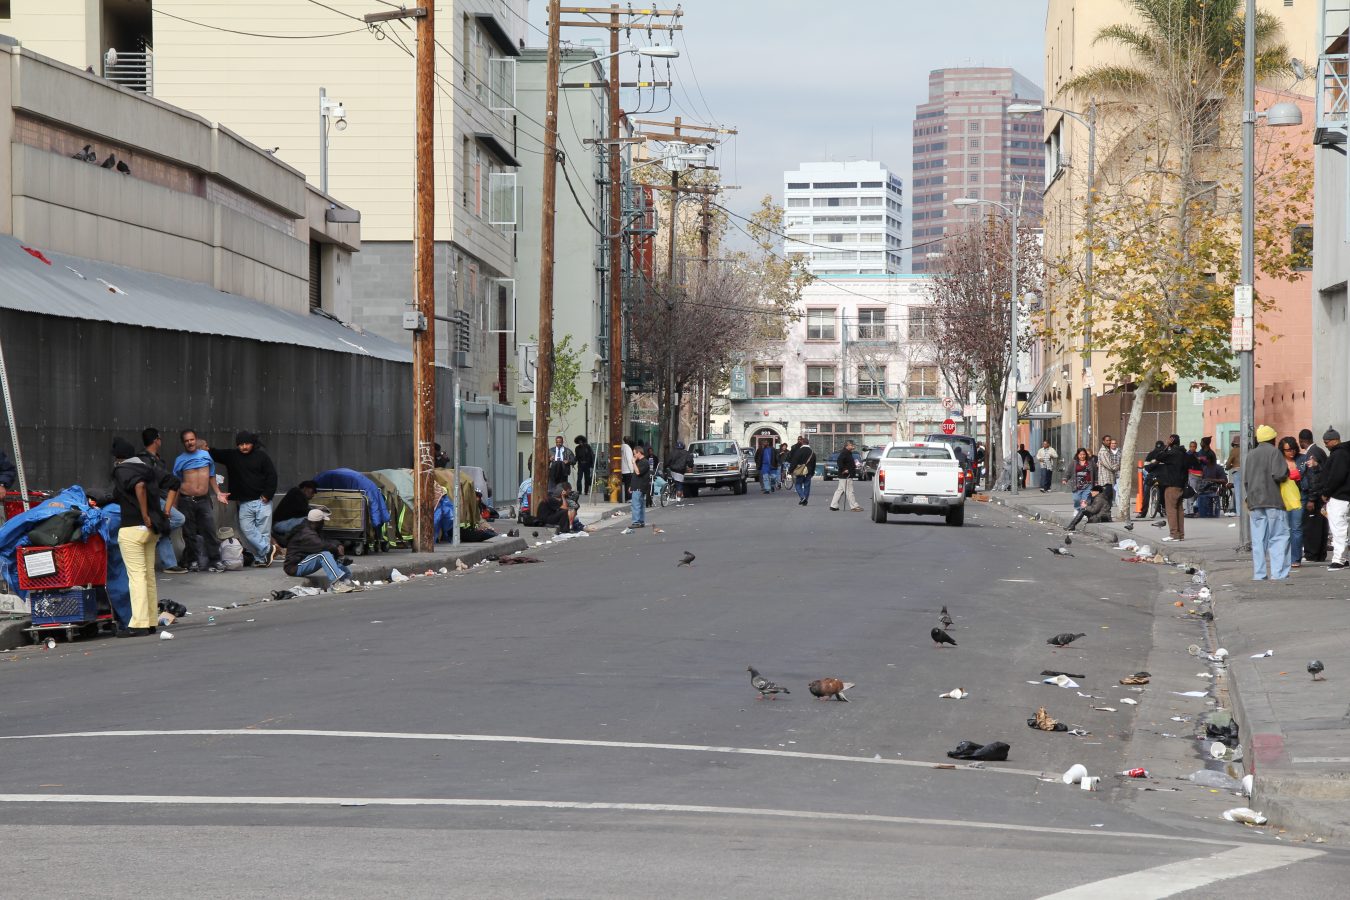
<point>351,480</point>
<point>105,522</point>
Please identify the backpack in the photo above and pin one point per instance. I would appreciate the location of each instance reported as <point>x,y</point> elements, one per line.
<point>61,528</point>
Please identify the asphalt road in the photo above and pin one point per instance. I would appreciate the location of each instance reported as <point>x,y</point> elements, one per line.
<point>585,727</point>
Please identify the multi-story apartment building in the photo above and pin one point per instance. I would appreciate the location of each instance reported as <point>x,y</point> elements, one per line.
<point>966,144</point>
<point>260,66</point>
<point>580,255</point>
<point>1070,49</point>
<point>1331,233</point>
<point>845,218</point>
<point>858,364</point>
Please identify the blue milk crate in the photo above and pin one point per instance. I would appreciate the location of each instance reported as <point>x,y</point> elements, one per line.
<point>64,606</point>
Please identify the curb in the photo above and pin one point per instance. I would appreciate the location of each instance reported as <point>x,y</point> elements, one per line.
<point>1299,804</point>
<point>371,570</point>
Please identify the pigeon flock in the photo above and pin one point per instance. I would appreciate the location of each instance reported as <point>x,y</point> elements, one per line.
<point>89,155</point>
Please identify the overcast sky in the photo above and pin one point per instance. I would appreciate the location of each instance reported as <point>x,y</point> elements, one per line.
<point>804,81</point>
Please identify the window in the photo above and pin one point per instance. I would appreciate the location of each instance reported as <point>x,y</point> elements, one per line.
<point>1301,247</point>
<point>973,177</point>
<point>820,381</point>
<point>502,198</point>
<point>973,143</point>
<point>798,202</point>
<point>972,126</point>
<point>835,201</point>
<point>836,185</point>
<point>923,381</point>
<point>872,201</point>
<point>820,325</point>
<point>4,9</point>
<point>922,323</point>
<point>501,85</point>
<point>1207,120</point>
<point>871,381</point>
<point>799,185</point>
<point>974,160</point>
<point>768,381</point>
<point>872,184</point>
<point>872,324</point>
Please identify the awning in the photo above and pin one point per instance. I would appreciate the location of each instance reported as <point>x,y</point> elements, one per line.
<point>490,23</point>
<point>493,145</point>
<point>54,284</point>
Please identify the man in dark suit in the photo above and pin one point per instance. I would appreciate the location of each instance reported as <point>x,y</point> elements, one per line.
<point>560,462</point>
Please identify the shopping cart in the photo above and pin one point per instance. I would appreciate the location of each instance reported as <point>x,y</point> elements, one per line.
<point>350,522</point>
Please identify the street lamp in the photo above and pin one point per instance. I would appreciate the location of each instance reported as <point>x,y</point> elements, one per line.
<point>1015,213</point>
<point>334,110</point>
<point>1281,115</point>
<point>1090,121</point>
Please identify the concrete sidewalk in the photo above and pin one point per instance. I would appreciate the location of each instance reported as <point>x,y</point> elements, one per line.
<point>1295,732</point>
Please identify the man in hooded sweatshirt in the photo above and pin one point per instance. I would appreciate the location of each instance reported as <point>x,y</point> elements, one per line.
<point>1262,472</point>
<point>253,483</point>
<point>1333,483</point>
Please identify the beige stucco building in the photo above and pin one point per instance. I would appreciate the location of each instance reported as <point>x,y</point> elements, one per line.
<point>1070,49</point>
<point>259,65</point>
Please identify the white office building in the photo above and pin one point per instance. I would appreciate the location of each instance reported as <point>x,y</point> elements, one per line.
<point>844,218</point>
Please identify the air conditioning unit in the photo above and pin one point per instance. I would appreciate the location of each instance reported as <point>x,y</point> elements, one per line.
<point>525,426</point>
<point>462,359</point>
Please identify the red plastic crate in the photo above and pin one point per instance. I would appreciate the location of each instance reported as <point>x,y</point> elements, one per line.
<point>77,564</point>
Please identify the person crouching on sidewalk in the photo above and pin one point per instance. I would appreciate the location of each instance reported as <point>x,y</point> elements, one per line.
<point>307,552</point>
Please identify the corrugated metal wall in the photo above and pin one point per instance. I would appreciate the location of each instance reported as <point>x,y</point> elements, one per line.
<point>76,384</point>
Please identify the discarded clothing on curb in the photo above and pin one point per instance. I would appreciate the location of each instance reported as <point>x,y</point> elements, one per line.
<point>995,751</point>
<point>1245,815</point>
<point>516,560</point>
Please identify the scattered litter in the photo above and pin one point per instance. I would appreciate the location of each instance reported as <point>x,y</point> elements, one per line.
<point>1190,693</point>
<point>1129,700</point>
<point>1218,749</point>
<point>1063,681</point>
<point>1218,655</point>
<point>1079,732</point>
<point>1245,816</point>
<point>217,608</point>
<point>1045,722</point>
<point>1163,790</point>
<point>1181,718</point>
<point>1136,678</point>
<point>166,635</point>
<point>461,566</point>
<point>954,694</point>
<point>516,560</point>
<point>1076,773</point>
<point>626,531</point>
<point>445,571</point>
<point>51,643</point>
<point>210,620</point>
<point>1263,655</point>
<point>250,620</point>
<point>1138,772</point>
<point>1050,673</point>
<point>995,751</point>
<point>1128,544</point>
<point>1217,780</point>
<point>1089,783</point>
<point>166,618</point>
<point>1247,782</point>
<point>663,531</point>
<point>396,576</point>
<point>1204,674</point>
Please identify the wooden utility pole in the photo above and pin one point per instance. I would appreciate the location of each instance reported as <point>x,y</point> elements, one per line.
<point>424,278</point>
<point>543,382</point>
<point>619,19</point>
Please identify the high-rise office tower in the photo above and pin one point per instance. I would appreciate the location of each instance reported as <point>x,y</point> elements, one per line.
<point>966,144</point>
<point>844,218</point>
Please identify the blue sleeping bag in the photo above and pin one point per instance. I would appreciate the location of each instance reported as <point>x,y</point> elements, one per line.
<point>351,480</point>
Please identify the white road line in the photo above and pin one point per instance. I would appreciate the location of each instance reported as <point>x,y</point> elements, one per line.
<point>206,800</point>
<point>1188,874</point>
<point>507,739</point>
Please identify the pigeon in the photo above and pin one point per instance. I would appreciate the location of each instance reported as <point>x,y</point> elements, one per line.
<point>686,559</point>
<point>87,154</point>
<point>1059,551</point>
<point>941,637</point>
<point>825,688</point>
<point>536,534</point>
<point>765,687</point>
<point>945,619</point>
<point>1065,639</point>
<point>123,167</point>
<point>1129,526</point>
<point>109,162</point>
<point>1315,669</point>
<point>1067,540</point>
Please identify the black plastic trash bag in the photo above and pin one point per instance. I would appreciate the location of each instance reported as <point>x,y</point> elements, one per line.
<point>997,751</point>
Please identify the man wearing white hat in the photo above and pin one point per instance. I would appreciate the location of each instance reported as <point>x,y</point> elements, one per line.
<point>307,552</point>
<point>1262,473</point>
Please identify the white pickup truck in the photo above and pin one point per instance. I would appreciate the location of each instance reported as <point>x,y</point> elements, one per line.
<point>922,478</point>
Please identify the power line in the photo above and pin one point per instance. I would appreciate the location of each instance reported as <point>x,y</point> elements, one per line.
<point>254,34</point>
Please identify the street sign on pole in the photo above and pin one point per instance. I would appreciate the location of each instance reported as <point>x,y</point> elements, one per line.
<point>949,426</point>
<point>1243,337</point>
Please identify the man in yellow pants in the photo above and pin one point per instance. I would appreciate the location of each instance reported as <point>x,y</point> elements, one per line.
<point>136,488</point>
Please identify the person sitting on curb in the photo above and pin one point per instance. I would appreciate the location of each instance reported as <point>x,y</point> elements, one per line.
<point>1097,509</point>
<point>307,552</point>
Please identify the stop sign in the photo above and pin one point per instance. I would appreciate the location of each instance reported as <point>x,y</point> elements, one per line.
<point>949,426</point>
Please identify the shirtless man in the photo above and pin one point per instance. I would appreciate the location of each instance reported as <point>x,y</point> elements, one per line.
<point>197,471</point>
